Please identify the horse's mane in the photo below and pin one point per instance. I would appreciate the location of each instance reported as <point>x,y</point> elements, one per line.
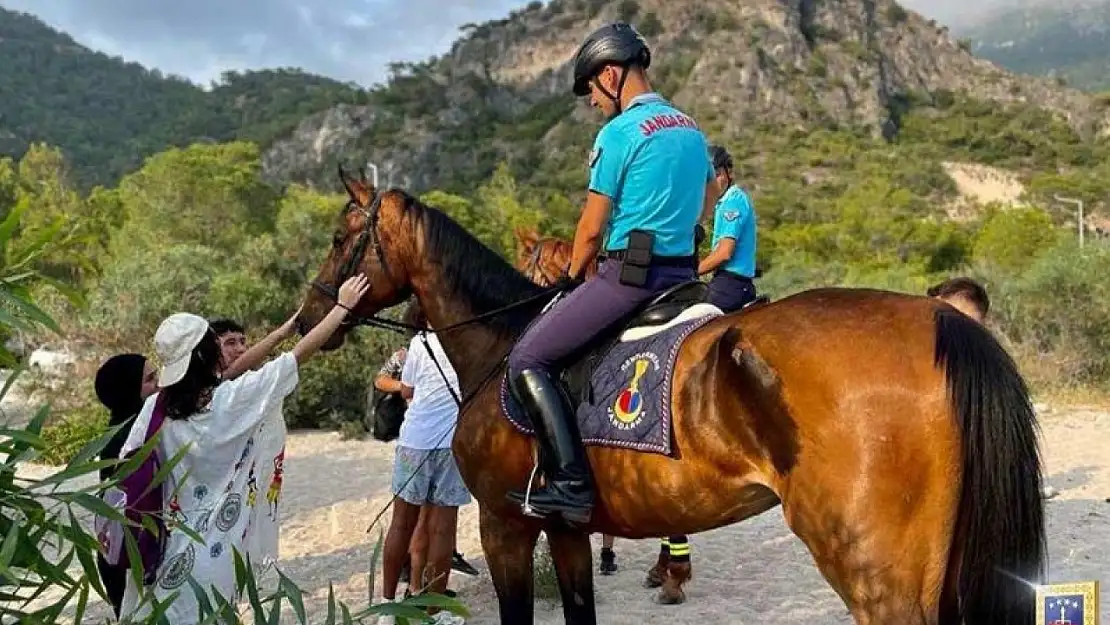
<point>472,271</point>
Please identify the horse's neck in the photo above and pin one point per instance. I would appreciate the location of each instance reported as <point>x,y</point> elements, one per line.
<point>474,348</point>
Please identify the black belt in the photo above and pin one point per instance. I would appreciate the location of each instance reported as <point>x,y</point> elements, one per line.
<point>732,274</point>
<point>659,261</point>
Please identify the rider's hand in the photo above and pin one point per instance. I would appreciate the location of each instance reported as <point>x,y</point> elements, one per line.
<point>352,291</point>
<point>567,283</point>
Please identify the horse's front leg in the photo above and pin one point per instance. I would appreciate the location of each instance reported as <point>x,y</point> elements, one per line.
<point>573,559</point>
<point>508,544</point>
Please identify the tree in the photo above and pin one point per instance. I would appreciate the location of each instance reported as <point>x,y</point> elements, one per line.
<point>210,195</point>
<point>1011,240</point>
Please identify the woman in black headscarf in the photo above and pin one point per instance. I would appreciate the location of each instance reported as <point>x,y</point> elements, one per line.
<point>123,382</point>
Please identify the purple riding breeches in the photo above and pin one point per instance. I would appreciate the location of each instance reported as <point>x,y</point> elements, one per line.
<point>554,340</point>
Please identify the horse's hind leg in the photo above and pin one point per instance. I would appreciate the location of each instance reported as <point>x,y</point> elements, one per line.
<point>882,546</point>
<point>508,545</point>
<point>573,559</point>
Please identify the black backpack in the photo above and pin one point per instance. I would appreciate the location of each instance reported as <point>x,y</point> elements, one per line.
<point>386,412</point>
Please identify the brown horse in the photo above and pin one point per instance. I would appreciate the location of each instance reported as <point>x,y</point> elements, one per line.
<point>543,260</point>
<point>896,433</point>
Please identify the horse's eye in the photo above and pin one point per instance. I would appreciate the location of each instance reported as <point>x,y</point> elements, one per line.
<point>338,238</point>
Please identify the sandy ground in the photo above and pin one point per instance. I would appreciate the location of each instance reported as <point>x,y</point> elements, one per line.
<point>753,572</point>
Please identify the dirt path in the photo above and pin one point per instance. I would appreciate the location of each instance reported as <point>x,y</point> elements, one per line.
<point>753,572</point>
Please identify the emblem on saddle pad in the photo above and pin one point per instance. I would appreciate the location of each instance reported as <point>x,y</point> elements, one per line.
<point>627,411</point>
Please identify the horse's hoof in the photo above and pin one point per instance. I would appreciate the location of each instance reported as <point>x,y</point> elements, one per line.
<point>653,580</point>
<point>667,598</point>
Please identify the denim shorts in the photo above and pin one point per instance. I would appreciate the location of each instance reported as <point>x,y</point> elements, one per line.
<point>428,476</point>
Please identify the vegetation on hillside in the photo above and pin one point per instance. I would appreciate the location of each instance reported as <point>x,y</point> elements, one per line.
<point>108,115</point>
<point>197,229</point>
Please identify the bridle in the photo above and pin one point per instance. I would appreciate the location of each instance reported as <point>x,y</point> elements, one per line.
<point>367,236</point>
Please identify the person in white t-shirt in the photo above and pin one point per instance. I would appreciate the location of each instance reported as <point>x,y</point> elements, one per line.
<point>214,424</point>
<point>265,522</point>
<point>424,470</point>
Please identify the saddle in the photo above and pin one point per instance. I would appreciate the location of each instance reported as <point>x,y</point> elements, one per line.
<point>655,314</point>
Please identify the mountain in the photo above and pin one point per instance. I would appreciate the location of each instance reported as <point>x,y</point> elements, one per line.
<point>108,115</point>
<point>1065,40</point>
<point>750,72</point>
<point>742,69</point>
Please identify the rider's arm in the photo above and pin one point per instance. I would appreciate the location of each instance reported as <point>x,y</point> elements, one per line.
<point>720,254</point>
<point>587,237</point>
<point>608,162</point>
<point>727,227</point>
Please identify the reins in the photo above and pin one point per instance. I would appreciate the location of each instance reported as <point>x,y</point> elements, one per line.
<point>368,235</point>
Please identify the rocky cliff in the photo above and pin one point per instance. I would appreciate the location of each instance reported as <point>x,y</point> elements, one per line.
<point>740,67</point>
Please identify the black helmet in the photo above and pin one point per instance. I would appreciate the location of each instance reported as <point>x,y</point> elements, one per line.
<point>617,43</point>
<point>721,157</point>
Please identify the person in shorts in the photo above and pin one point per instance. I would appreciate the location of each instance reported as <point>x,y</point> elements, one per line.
<point>424,471</point>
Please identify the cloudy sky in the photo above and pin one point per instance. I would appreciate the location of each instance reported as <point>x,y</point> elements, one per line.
<point>346,39</point>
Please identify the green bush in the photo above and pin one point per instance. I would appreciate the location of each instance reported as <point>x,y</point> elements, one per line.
<point>1059,307</point>
<point>1012,239</point>
<point>67,435</point>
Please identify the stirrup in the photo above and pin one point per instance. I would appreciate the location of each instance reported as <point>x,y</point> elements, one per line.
<point>526,507</point>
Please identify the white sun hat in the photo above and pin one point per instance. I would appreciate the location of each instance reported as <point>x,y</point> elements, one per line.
<point>174,343</point>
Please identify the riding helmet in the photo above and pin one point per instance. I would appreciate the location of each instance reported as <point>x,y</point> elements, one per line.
<point>617,43</point>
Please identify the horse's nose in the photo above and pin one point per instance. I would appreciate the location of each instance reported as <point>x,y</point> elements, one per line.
<point>299,325</point>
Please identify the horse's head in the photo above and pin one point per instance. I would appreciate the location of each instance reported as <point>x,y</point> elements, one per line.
<point>544,260</point>
<point>370,239</point>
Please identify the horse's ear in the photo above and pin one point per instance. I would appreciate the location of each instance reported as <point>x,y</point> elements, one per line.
<point>354,188</point>
<point>346,180</point>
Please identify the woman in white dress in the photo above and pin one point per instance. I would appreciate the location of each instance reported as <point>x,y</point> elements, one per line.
<point>214,424</point>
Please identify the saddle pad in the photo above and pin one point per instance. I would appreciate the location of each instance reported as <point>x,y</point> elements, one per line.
<point>630,391</point>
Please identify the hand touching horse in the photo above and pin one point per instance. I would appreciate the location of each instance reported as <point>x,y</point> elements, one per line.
<point>896,433</point>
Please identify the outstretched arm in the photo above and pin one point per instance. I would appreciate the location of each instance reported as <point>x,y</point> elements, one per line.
<point>349,295</point>
<point>254,356</point>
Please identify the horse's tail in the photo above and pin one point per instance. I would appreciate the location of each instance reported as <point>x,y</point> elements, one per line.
<point>998,548</point>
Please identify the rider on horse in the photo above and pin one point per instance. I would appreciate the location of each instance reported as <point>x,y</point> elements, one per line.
<point>733,255</point>
<point>649,174</point>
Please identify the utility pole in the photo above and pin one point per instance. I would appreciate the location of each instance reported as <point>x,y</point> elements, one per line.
<point>1079,207</point>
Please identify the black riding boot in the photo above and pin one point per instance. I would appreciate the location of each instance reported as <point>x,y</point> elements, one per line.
<point>568,490</point>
